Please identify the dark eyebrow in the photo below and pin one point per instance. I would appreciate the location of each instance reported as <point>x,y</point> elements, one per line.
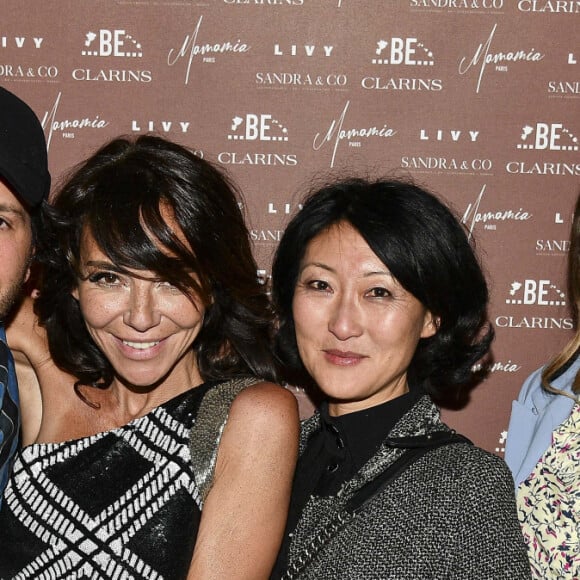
<point>102,265</point>
<point>317,265</point>
<point>14,209</point>
<point>110,267</point>
<point>329,269</point>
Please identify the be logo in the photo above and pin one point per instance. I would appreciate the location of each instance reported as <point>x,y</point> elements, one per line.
<point>548,136</point>
<point>538,292</point>
<point>111,43</point>
<point>257,128</point>
<point>406,51</point>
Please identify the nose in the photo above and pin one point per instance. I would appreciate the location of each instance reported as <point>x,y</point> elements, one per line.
<point>142,312</point>
<point>345,318</point>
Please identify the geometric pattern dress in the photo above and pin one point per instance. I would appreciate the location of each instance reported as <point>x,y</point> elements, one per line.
<point>123,504</point>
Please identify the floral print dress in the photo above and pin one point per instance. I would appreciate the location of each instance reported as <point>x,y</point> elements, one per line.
<point>549,505</point>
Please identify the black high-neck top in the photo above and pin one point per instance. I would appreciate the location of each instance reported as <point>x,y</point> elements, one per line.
<point>337,451</point>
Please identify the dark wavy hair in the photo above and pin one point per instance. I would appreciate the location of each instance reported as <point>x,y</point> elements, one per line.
<point>118,194</point>
<point>425,248</point>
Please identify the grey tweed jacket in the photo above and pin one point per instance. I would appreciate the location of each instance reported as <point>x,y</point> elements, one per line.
<point>449,515</point>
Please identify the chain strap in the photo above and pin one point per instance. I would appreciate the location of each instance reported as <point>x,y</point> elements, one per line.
<point>310,552</point>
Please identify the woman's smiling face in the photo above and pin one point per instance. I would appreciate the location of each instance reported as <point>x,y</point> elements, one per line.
<point>144,326</point>
<point>357,328</point>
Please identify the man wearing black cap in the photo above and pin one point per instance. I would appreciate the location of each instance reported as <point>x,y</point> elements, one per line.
<point>24,184</point>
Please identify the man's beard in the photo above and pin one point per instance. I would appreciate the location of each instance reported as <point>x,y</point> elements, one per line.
<point>10,295</point>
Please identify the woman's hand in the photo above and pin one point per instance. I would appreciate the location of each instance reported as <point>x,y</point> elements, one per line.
<point>27,341</point>
<point>26,337</point>
<point>244,516</point>
<point>40,381</point>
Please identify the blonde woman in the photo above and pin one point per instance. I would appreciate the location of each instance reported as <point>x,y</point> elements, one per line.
<point>543,448</point>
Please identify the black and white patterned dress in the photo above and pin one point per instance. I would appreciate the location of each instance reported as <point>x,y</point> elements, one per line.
<point>118,505</point>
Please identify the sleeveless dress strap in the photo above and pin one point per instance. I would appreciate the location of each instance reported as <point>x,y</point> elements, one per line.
<point>209,425</point>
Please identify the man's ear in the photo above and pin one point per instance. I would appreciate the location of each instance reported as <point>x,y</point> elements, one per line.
<point>29,267</point>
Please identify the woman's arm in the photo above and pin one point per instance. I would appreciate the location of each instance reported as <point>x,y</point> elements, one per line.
<point>245,511</point>
<point>35,370</point>
<point>28,344</point>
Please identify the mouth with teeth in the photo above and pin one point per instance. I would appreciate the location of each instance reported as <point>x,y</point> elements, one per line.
<point>141,345</point>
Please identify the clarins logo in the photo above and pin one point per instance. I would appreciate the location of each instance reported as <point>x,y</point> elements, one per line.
<point>550,6</point>
<point>543,168</point>
<point>540,136</point>
<point>258,128</point>
<point>539,295</point>
<point>401,52</point>
<point>338,132</point>
<point>484,56</point>
<point>207,50</point>
<point>117,44</point>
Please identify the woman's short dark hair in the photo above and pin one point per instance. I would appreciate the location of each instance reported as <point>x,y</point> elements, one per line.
<point>120,195</point>
<point>425,248</point>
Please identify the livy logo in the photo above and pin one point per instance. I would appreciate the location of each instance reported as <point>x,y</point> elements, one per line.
<point>21,42</point>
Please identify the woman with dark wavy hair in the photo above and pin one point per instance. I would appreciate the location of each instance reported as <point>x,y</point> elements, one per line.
<point>382,305</point>
<point>166,452</point>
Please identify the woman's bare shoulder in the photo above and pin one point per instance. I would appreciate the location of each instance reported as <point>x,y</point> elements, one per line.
<point>265,402</point>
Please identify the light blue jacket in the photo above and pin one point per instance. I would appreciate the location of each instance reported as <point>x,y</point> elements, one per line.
<point>535,415</point>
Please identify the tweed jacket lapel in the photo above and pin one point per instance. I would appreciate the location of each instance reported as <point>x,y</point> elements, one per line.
<point>322,517</point>
<point>421,420</point>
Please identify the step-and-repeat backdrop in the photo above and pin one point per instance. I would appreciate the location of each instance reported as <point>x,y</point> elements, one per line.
<point>477,99</point>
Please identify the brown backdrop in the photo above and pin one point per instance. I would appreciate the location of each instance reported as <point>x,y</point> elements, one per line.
<point>478,99</point>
